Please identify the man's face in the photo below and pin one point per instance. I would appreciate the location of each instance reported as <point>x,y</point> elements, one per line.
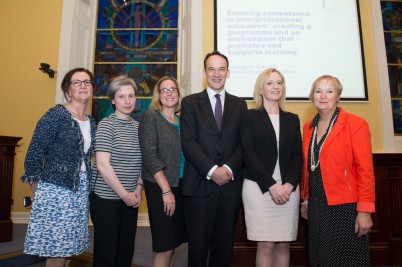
<point>216,72</point>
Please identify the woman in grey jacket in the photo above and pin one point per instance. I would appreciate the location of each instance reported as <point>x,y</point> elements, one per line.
<point>163,164</point>
<point>57,169</point>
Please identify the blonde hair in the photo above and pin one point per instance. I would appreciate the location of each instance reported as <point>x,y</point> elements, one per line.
<point>156,97</point>
<point>337,84</point>
<point>259,86</point>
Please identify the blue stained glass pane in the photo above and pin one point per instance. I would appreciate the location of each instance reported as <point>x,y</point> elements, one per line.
<point>145,75</point>
<point>395,81</point>
<point>129,46</point>
<point>141,36</point>
<point>138,14</point>
<point>393,46</point>
<point>391,15</point>
<point>392,23</point>
<point>396,114</point>
<point>103,108</point>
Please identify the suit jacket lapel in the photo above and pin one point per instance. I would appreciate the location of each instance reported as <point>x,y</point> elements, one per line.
<point>282,132</point>
<point>206,108</point>
<point>338,126</point>
<point>268,125</point>
<point>227,109</point>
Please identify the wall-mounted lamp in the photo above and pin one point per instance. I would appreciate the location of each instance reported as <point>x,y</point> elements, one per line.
<point>45,68</point>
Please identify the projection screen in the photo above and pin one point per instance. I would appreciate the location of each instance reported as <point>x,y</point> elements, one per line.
<point>303,39</point>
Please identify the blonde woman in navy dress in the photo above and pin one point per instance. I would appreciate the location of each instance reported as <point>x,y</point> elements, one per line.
<point>57,168</point>
<point>272,153</point>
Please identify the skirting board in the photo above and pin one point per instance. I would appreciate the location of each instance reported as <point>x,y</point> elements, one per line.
<point>23,218</point>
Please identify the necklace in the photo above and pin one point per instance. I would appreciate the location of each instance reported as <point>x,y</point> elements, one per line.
<point>314,165</point>
<point>76,114</point>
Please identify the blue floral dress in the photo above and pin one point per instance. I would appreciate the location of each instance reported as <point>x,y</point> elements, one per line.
<point>59,221</point>
<point>58,159</point>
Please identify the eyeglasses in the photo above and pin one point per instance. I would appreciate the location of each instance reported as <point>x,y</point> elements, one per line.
<point>165,90</point>
<point>77,83</point>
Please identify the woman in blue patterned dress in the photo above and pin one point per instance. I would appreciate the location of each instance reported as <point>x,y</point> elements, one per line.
<point>57,167</point>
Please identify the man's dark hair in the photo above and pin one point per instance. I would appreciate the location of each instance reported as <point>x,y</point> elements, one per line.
<point>215,53</point>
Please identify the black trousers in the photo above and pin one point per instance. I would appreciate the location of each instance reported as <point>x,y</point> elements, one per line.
<point>210,224</point>
<point>115,226</point>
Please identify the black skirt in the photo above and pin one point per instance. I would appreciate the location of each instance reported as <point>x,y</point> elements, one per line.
<point>167,232</point>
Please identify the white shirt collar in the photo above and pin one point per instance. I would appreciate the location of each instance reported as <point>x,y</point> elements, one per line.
<point>212,93</point>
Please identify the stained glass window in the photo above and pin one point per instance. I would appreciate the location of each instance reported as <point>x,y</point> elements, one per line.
<point>392,22</point>
<point>137,38</point>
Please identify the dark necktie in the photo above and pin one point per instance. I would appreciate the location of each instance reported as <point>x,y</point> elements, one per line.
<point>218,111</point>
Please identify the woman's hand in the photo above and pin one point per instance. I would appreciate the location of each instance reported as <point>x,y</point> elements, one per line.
<point>33,186</point>
<point>131,199</point>
<point>304,210</point>
<point>109,176</point>
<point>278,194</point>
<point>363,223</point>
<point>288,188</point>
<point>138,195</point>
<point>169,203</point>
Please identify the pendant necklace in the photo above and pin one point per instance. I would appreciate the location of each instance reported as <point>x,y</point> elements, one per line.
<point>314,165</point>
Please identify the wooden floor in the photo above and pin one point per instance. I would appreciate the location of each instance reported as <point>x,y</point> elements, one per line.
<point>143,254</point>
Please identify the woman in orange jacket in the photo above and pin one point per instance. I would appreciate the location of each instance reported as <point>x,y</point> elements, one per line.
<point>337,186</point>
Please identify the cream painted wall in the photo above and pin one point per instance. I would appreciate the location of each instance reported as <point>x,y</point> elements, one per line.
<point>30,32</point>
<point>371,110</point>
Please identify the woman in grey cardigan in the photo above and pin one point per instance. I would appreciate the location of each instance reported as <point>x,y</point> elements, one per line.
<point>162,169</point>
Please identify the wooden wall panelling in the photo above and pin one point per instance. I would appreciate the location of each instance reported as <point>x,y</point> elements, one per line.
<point>7,152</point>
<point>385,238</point>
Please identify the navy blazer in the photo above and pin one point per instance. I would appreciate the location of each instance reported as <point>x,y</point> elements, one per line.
<point>56,151</point>
<point>205,146</point>
<point>259,148</point>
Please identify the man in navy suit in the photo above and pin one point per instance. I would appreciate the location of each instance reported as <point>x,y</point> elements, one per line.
<point>210,128</point>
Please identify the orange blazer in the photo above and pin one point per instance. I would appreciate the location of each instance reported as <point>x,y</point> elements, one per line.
<point>346,163</point>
